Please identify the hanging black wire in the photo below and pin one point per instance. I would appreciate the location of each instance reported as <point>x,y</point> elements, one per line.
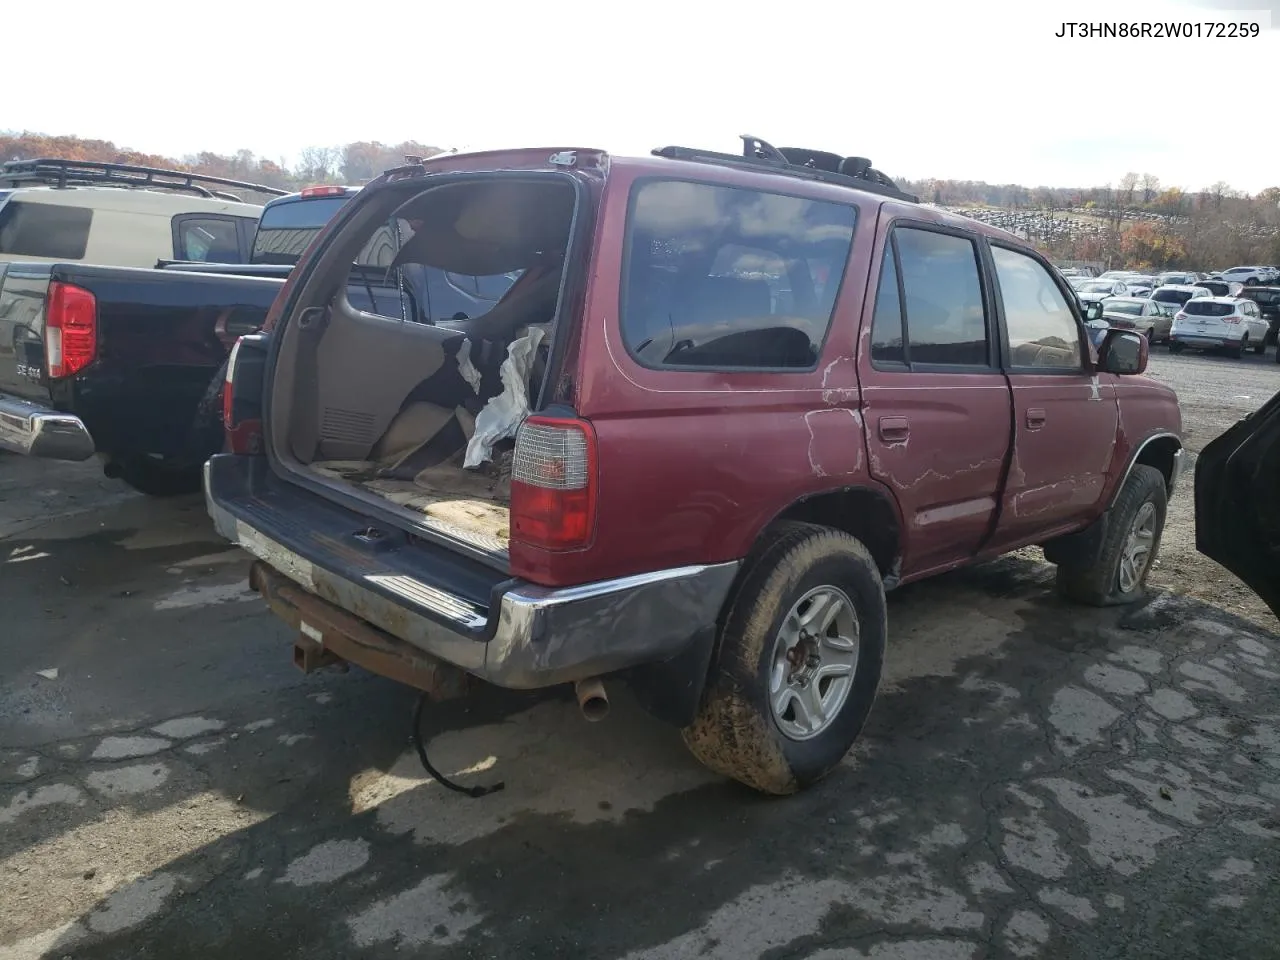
<point>419,745</point>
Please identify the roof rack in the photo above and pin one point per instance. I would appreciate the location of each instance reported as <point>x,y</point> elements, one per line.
<point>56,172</point>
<point>797,162</point>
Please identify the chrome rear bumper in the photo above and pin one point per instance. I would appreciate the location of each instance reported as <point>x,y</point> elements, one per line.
<point>527,636</point>
<point>36,431</point>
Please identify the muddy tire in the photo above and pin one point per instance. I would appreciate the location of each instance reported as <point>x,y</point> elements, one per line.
<point>777,715</point>
<point>1118,574</point>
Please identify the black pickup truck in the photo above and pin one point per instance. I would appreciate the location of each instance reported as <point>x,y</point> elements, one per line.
<point>126,363</point>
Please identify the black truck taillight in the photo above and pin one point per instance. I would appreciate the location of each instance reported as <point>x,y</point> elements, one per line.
<point>70,329</point>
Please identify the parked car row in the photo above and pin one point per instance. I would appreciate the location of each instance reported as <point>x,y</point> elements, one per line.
<point>1186,310</point>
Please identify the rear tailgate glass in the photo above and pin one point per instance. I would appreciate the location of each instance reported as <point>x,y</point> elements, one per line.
<point>1207,308</point>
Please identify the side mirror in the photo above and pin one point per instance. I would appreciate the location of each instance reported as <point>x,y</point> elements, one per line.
<point>1093,310</point>
<point>1123,352</point>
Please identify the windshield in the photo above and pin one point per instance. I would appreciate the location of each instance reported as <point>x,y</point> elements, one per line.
<point>1096,287</point>
<point>1207,308</point>
<point>287,228</point>
<point>1128,308</point>
<point>1265,296</point>
<point>1172,296</point>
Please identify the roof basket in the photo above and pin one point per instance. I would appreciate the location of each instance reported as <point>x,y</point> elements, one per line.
<point>56,172</point>
<point>798,162</point>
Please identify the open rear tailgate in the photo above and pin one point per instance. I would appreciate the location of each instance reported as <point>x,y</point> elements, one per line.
<point>1238,501</point>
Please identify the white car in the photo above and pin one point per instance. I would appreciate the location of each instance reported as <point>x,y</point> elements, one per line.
<point>1101,289</point>
<point>1229,323</point>
<point>1177,294</point>
<point>1249,276</point>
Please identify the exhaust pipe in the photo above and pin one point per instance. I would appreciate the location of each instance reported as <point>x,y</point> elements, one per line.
<point>592,699</point>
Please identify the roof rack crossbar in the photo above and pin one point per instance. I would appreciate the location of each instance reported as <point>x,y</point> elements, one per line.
<point>59,172</point>
<point>757,154</point>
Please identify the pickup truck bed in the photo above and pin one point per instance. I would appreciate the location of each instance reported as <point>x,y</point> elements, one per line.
<point>160,336</point>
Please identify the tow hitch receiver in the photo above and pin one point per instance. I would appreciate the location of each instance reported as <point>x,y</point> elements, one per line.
<point>330,637</point>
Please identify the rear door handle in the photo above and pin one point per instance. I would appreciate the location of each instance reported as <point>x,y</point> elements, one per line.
<point>1035,418</point>
<point>894,428</point>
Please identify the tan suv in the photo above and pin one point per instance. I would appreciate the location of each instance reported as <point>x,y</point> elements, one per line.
<point>59,211</point>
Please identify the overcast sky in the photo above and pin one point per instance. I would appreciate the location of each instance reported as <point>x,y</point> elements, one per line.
<point>979,90</point>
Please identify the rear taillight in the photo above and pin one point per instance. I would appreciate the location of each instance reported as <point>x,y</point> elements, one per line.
<point>242,396</point>
<point>1180,315</point>
<point>1232,318</point>
<point>553,484</point>
<point>227,400</point>
<point>70,329</point>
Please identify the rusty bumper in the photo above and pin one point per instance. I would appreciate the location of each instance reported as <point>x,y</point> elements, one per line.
<point>328,636</point>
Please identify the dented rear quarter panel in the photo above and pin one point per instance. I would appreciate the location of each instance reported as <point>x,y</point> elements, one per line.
<point>693,464</point>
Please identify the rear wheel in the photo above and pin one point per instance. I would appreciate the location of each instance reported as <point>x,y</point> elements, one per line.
<point>798,665</point>
<point>1118,573</point>
<point>1261,348</point>
<point>1176,347</point>
<point>1240,349</point>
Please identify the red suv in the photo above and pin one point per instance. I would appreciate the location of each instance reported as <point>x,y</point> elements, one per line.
<point>727,402</point>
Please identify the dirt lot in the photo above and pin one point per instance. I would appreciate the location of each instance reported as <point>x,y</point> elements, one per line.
<point>1036,779</point>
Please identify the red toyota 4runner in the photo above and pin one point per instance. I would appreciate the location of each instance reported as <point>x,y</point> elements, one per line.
<point>727,402</point>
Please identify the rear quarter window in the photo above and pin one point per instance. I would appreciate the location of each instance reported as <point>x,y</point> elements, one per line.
<point>728,278</point>
<point>49,230</point>
<point>1207,308</point>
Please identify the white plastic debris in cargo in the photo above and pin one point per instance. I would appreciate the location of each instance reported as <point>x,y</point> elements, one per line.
<point>502,415</point>
<point>466,367</point>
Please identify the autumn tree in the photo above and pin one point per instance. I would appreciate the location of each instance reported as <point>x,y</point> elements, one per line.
<point>1145,247</point>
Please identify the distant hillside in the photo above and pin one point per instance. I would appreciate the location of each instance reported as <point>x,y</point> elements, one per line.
<point>349,163</point>
<point>1136,224</point>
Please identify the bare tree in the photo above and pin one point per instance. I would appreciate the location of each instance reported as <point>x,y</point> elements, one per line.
<point>319,163</point>
<point>1150,186</point>
<point>1127,184</point>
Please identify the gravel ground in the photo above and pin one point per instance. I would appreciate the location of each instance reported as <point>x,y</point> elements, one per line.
<point>1036,779</point>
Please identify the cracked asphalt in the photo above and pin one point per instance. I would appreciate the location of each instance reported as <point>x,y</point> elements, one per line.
<point>1036,780</point>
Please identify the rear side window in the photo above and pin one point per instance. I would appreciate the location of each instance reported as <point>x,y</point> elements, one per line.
<point>1207,308</point>
<point>1129,309</point>
<point>941,302</point>
<point>287,228</point>
<point>208,239</point>
<point>44,230</point>
<point>887,342</point>
<point>724,278</point>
